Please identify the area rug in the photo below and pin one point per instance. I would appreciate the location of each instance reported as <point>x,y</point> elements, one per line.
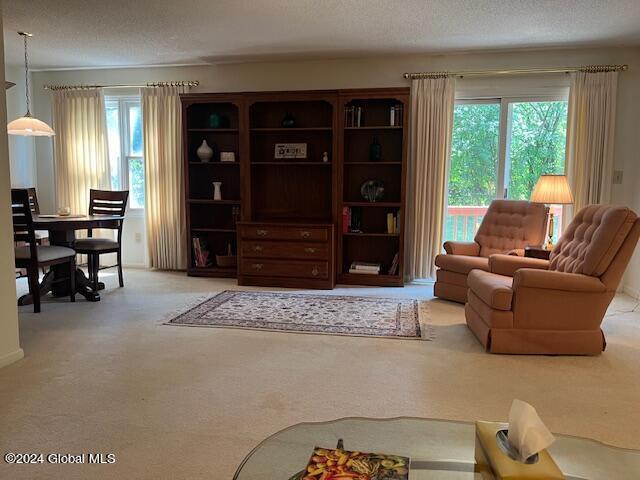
<point>307,313</point>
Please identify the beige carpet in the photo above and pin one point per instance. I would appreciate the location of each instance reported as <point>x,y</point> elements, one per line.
<point>178,403</point>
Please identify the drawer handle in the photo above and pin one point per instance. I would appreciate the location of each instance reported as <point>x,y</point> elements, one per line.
<point>257,266</point>
<point>305,234</point>
<point>310,250</point>
<point>315,271</point>
<point>262,233</point>
<point>258,248</point>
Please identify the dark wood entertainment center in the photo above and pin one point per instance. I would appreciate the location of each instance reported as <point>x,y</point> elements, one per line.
<point>297,215</point>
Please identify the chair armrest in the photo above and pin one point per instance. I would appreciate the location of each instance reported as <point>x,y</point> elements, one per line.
<point>471,249</point>
<point>509,264</point>
<point>552,280</point>
<point>516,251</point>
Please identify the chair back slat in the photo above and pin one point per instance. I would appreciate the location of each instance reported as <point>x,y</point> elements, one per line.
<point>33,201</point>
<point>23,230</point>
<point>107,202</point>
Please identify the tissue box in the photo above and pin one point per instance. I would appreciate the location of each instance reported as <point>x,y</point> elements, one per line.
<point>493,463</point>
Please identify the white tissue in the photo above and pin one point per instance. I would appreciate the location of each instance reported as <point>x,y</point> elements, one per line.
<point>527,434</point>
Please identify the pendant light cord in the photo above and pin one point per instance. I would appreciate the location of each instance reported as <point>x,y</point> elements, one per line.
<point>26,72</point>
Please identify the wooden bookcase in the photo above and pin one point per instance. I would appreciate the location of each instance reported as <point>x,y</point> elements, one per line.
<point>212,221</point>
<point>283,216</point>
<point>372,242</point>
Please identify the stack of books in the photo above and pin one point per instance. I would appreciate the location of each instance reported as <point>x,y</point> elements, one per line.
<point>200,253</point>
<point>365,268</point>
<point>352,116</point>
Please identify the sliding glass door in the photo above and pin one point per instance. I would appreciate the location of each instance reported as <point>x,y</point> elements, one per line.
<point>500,147</point>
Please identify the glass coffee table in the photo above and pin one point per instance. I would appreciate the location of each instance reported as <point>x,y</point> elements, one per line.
<point>439,449</point>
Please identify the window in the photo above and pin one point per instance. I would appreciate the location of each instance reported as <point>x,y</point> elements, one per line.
<point>124,128</point>
<point>499,149</point>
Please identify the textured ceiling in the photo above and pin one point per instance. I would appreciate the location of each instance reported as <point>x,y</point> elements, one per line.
<point>89,33</point>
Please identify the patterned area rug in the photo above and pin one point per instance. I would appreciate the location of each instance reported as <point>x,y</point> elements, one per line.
<point>307,313</point>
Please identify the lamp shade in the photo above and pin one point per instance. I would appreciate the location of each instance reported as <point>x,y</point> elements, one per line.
<point>29,127</point>
<point>552,189</point>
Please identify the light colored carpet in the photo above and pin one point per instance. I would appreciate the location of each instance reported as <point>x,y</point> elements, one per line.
<point>178,403</point>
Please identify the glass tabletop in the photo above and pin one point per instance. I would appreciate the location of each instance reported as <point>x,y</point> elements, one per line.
<point>439,449</point>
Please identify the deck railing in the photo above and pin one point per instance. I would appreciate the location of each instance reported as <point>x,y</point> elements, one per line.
<point>462,222</point>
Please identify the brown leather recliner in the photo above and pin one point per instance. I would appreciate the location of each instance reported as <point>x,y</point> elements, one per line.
<point>524,305</point>
<point>507,227</point>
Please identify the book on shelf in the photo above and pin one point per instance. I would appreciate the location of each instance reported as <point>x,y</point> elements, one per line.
<point>365,267</point>
<point>393,222</point>
<point>352,116</point>
<point>200,253</point>
<point>346,219</point>
<point>393,269</point>
<point>395,115</point>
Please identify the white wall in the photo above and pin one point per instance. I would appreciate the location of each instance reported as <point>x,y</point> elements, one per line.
<point>10,350</point>
<point>21,149</point>
<point>383,72</point>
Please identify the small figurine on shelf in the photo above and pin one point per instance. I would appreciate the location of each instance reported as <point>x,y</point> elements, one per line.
<point>217,193</point>
<point>325,157</point>
<point>375,150</point>
<point>288,121</point>
<point>235,214</point>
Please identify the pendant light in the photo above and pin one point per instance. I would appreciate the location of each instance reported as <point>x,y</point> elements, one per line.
<point>28,125</point>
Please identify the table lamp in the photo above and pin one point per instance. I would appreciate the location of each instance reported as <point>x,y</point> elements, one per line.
<point>552,190</point>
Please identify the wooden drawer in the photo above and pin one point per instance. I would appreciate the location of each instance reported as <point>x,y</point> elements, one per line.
<point>280,232</point>
<point>299,250</point>
<point>284,268</point>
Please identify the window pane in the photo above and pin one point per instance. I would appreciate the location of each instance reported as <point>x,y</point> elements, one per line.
<point>135,131</point>
<point>136,182</point>
<point>473,170</point>
<point>113,136</point>
<point>537,140</point>
<point>536,144</point>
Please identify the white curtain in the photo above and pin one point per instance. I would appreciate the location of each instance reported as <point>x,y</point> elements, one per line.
<point>590,136</point>
<point>432,105</point>
<point>80,144</point>
<point>164,178</point>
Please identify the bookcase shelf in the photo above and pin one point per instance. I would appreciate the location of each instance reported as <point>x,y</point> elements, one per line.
<point>375,127</point>
<point>213,130</point>
<point>374,243</point>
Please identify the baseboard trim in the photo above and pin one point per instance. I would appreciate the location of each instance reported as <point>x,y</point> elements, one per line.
<point>12,357</point>
<point>632,292</point>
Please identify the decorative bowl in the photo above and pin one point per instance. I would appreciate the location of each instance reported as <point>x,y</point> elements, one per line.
<point>372,190</point>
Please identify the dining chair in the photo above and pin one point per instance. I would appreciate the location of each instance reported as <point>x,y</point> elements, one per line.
<point>103,202</point>
<point>33,256</point>
<point>42,236</point>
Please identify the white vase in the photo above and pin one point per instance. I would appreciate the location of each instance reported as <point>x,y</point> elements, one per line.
<point>204,152</point>
<point>217,193</point>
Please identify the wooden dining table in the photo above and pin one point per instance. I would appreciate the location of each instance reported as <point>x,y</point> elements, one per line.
<point>62,231</point>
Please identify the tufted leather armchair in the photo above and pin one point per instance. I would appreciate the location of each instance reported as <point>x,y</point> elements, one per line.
<point>507,227</point>
<point>526,305</point>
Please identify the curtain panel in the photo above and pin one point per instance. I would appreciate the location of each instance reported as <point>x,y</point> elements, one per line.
<point>80,147</point>
<point>432,106</point>
<point>590,137</point>
<point>164,178</point>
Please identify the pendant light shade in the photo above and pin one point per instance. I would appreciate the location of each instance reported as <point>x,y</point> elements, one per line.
<point>28,125</point>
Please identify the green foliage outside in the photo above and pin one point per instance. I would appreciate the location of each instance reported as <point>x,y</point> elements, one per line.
<point>136,182</point>
<point>536,145</point>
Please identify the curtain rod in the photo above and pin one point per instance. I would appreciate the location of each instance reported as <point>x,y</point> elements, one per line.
<point>520,71</point>
<point>189,83</point>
